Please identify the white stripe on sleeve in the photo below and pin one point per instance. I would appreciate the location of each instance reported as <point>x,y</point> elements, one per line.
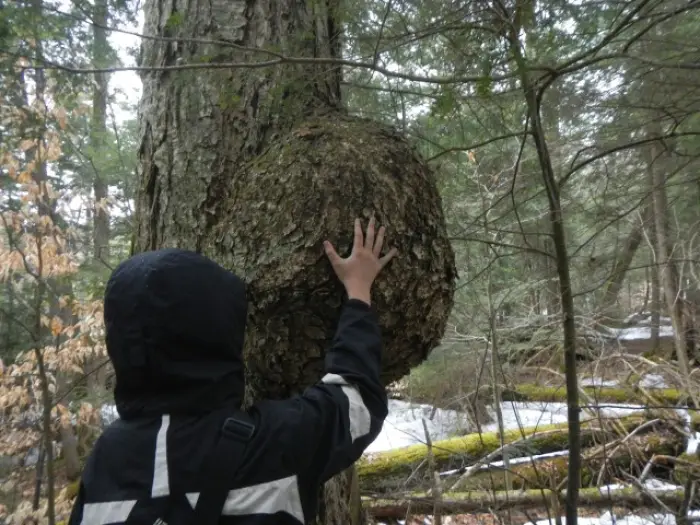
<point>358,413</point>
<point>161,485</point>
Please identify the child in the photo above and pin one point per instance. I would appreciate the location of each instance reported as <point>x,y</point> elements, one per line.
<point>183,451</point>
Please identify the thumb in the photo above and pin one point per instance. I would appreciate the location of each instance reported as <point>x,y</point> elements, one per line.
<point>331,253</point>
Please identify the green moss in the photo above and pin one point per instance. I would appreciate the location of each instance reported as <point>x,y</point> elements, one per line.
<point>695,421</point>
<point>72,489</point>
<point>551,472</point>
<point>455,452</point>
<point>480,499</point>
<point>531,392</point>
<point>682,470</point>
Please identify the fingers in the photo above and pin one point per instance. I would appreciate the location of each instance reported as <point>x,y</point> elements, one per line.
<point>332,255</point>
<point>377,250</point>
<point>388,257</point>
<point>358,241</point>
<point>369,240</point>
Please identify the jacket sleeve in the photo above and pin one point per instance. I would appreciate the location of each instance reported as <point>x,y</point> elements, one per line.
<point>334,421</point>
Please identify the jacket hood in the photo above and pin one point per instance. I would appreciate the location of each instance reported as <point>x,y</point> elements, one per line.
<point>175,324</point>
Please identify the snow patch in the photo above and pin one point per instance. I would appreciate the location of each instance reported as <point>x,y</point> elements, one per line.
<point>609,519</point>
<point>597,381</point>
<point>640,332</point>
<point>404,425</point>
<point>653,381</point>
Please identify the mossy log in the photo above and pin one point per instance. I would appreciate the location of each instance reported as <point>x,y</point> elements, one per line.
<point>459,502</point>
<point>552,394</point>
<point>630,458</point>
<point>686,467</point>
<point>386,469</point>
<point>545,473</point>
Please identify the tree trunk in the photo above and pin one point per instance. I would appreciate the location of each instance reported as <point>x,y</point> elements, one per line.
<point>619,270</point>
<point>96,377</point>
<point>255,167</point>
<point>665,263</point>
<point>235,113</point>
<point>532,96</point>
<point>98,132</point>
<point>549,293</point>
<point>655,279</point>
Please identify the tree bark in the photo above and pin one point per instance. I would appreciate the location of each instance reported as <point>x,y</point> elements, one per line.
<point>655,282</point>
<point>255,167</point>
<point>98,132</point>
<point>668,278</point>
<point>619,270</point>
<point>235,112</point>
<point>532,96</point>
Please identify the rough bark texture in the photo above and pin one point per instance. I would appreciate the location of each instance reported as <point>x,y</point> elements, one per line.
<point>316,180</point>
<point>198,127</point>
<point>257,166</point>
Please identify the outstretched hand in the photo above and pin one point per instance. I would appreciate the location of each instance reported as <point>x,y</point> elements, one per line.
<point>358,271</point>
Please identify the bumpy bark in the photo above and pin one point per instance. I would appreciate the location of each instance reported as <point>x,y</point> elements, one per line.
<point>316,180</point>
<point>256,167</point>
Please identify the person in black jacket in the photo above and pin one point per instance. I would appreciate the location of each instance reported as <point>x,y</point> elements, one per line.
<point>175,324</point>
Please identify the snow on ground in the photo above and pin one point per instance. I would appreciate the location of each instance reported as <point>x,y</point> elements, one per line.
<point>404,426</point>
<point>597,381</point>
<point>609,519</point>
<point>648,381</point>
<point>641,328</point>
<point>640,332</point>
<point>653,381</point>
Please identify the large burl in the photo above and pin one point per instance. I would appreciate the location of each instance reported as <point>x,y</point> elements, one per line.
<point>306,188</point>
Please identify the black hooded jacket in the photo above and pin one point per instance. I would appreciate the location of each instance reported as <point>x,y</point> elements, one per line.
<point>175,324</point>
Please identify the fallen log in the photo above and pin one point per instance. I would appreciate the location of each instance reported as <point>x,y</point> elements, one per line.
<point>665,397</point>
<point>474,501</point>
<point>629,458</point>
<point>547,472</point>
<point>385,469</point>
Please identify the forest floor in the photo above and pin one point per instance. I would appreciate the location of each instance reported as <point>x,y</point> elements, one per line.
<point>541,516</point>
